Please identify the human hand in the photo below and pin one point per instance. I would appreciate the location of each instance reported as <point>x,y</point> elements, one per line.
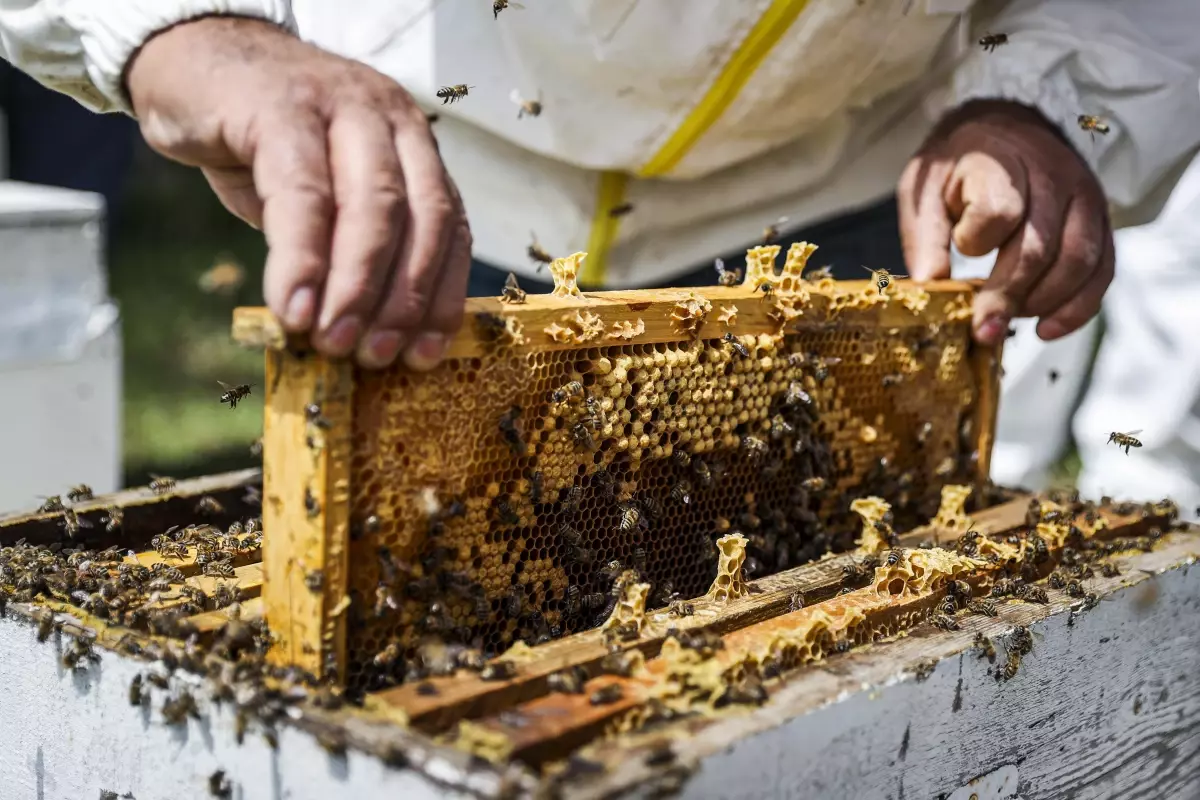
<point>369,246</point>
<point>996,174</point>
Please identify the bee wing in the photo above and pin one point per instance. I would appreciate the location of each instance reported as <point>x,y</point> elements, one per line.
<point>514,4</point>
<point>781,221</point>
<point>832,360</point>
<point>868,269</point>
<point>515,96</point>
<point>225,386</point>
<point>511,281</point>
<point>719,265</point>
<point>1132,433</point>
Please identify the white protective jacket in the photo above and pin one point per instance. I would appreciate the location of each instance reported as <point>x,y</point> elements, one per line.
<point>712,117</point>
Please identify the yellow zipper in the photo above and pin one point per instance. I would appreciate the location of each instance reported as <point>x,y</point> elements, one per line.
<point>742,65</point>
<point>765,34</point>
<point>610,193</point>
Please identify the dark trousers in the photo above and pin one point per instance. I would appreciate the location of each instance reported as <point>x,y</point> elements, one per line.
<point>868,237</point>
<point>53,140</point>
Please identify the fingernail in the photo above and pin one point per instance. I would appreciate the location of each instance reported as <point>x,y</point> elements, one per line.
<point>379,349</point>
<point>1050,329</point>
<point>300,307</point>
<point>340,337</point>
<point>426,353</point>
<point>993,329</point>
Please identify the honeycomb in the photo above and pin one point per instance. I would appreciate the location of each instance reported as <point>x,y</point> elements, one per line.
<point>643,453</point>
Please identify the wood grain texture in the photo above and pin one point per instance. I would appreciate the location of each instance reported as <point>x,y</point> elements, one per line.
<point>1106,706</point>
<point>257,327</point>
<point>306,508</point>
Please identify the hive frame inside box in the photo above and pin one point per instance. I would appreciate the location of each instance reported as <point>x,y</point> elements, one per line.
<point>312,463</point>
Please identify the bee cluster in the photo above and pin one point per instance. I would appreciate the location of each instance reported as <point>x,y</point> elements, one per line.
<point>500,498</point>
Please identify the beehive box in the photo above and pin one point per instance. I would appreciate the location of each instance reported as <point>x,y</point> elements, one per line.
<point>640,426</point>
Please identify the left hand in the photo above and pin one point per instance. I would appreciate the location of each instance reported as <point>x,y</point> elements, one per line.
<point>997,175</point>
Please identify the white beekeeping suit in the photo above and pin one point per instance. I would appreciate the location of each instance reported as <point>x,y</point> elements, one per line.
<point>712,117</point>
<point>1146,373</point>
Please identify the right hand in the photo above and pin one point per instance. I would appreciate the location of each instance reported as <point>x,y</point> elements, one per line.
<point>334,162</point>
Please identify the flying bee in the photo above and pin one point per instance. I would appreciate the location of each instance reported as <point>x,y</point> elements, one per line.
<point>618,211</point>
<point>209,506</point>
<point>500,5</point>
<point>682,491</point>
<point>1125,440</point>
<point>51,504</point>
<point>609,694</point>
<point>113,519</point>
<point>880,277</point>
<point>990,41</point>
<point>819,274</point>
<point>452,94</point>
<point>735,345</point>
<point>569,391</point>
<point>537,253</point>
<point>726,277</point>
<point>532,108</point>
<point>511,430</point>
<point>79,493</point>
<point>770,233</point>
<point>161,484</point>
<point>1093,125</point>
<point>72,524</point>
<point>232,394</point>
<point>512,291</point>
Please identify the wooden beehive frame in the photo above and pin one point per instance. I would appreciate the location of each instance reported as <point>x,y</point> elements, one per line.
<point>306,475</point>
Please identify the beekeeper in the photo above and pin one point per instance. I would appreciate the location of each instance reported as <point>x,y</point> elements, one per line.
<point>704,120</point>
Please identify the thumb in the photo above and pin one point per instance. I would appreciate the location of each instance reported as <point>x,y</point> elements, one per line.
<point>925,224</point>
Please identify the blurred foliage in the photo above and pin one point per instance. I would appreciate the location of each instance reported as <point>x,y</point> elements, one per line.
<point>176,337</point>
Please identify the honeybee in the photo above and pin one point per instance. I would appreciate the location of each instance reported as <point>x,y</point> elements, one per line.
<point>853,573</point>
<point>175,711</point>
<point>79,493</point>
<point>536,253</point>
<point>1093,125</point>
<point>735,345</point>
<point>452,94</point>
<point>51,504</point>
<point>894,557</point>
<point>568,681</point>
<point>570,390</point>
<point>678,607</point>
<point>232,394</point>
<point>581,433</point>
<point>768,290</point>
<point>771,233</point>
<point>991,41</point>
<point>1033,594</point>
<point>220,568</point>
<point>498,671</point>
<point>682,491</point>
<point>160,484</point>
<point>531,107</point>
<point>505,512</point>
<point>219,785</point>
<point>819,274</point>
<point>985,647</point>
<point>984,607</point>
<point>1022,640</point>
<point>821,373</point>
<point>1009,670</point>
<point>816,484</point>
<point>754,447</point>
<point>748,691</point>
<point>500,5</point>
<point>618,211</point>
<point>702,472</point>
<point>1109,570</point>
<point>571,499</point>
<point>209,506</point>
<point>609,694</point>
<point>944,621</point>
<point>796,396</point>
<point>224,277</point>
<point>72,523</point>
<point>880,277</point>
<point>113,519</point>
<point>726,277</point>
<point>631,517</point>
<point>511,431</point>
<point>1125,440</point>
<point>512,291</point>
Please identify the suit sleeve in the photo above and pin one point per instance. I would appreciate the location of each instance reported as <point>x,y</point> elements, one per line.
<point>81,47</point>
<point>1128,62</point>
